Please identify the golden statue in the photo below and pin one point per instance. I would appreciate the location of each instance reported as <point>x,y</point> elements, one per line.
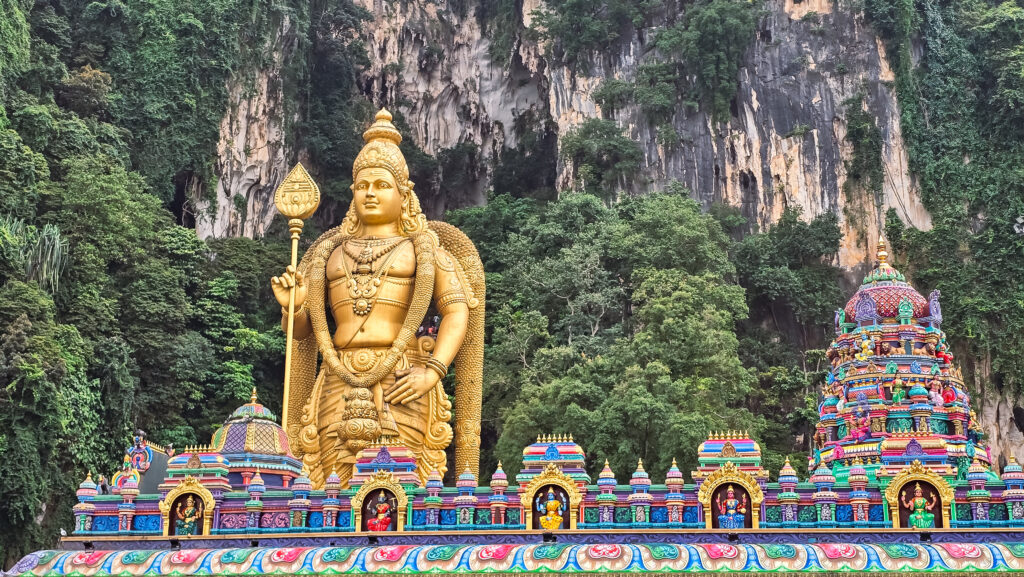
<point>380,373</point>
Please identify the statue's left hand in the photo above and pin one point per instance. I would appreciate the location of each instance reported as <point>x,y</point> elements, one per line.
<point>411,384</point>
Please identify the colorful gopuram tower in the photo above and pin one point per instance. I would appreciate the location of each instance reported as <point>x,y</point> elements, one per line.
<point>894,394</point>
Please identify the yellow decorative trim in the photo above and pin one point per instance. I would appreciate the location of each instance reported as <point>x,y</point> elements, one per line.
<point>728,473</point>
<point>551,476</point>
<point>188,485</point>
<point>380,480</point>
<point>918,472</point>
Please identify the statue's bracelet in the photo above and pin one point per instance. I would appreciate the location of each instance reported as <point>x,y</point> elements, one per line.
<point>302,307</point>
<point>438,367</point>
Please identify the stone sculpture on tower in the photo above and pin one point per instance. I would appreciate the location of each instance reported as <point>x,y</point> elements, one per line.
<point>378,376</point>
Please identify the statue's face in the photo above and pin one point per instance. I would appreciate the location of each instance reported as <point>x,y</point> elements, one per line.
<point>376,197</point>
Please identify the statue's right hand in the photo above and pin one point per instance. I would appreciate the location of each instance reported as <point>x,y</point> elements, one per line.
<point>282,286</point>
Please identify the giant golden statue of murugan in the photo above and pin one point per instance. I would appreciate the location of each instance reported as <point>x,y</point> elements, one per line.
<point>380,373</point>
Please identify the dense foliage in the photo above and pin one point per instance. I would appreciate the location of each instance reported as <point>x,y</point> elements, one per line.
<point>962,118</point>
<point>695,59</point>
<point>620,325</point>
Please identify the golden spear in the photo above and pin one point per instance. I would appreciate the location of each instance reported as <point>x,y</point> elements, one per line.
<point>297,198</point>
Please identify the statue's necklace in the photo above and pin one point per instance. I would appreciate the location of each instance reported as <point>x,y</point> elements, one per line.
<point>364,282</point>
<point>366,251</point>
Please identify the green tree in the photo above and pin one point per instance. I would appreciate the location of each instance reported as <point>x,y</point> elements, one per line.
<point>601,156</point>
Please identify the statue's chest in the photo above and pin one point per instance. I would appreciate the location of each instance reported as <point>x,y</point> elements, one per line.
<point>399,264</point>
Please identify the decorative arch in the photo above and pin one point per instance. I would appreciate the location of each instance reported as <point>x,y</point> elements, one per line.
<point>728,473</point>
<point>918,472</point>
<point>551,476</point>
<point>188,485</point>
<point>380,480</point>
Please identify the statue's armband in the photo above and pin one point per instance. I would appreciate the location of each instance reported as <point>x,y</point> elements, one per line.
<point>450,287</point>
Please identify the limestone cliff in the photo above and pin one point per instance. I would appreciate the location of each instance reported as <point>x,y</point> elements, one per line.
<point>252,154</point>
<point>784,145</point>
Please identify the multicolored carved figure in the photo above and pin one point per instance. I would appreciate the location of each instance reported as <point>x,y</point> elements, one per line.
<point>898,392</point>
<point>187,519</point>
<point>733,511</point>
<point>920,518</point>
<point>867,348</point>
<point>948,394</point>
<point>861,429</point>
<point>383,511</point>
<point>552,510</point>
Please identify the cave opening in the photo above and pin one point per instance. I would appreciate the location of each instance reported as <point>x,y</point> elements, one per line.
<point>181,204</point>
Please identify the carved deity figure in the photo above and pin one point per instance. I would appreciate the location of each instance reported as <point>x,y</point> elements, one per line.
<point>898,392</point>
<point>732,511</point>
<point>867,348</point>
<point>187,518</point>
<point>920,517</point>
<point>377,275</point>
<point>382,511</point>
<point>552,510</point>
<point>860,428</point>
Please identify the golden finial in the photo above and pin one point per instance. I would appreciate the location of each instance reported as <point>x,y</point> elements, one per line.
<point>639,464</point>
<point>538,438</point>
<point>570,438</point>
<point>674,462</point>
<point>882,254</point>
<point>88,476</point>
<point>1013,459</point>
<point>252,398</point>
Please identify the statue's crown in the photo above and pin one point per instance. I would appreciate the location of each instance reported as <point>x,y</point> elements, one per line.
<point>381,149</point>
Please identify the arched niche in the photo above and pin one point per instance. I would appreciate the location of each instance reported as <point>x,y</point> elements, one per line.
<point>368,510</point>
<point>901,497</point>
<point>174,508</point>
<point>717,485</point>
<point>551,478</point>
